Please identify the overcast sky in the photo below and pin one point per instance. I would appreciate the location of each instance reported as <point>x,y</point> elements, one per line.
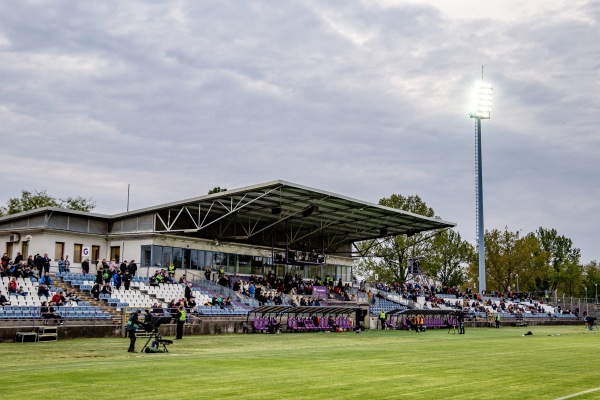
<point>360,98</point>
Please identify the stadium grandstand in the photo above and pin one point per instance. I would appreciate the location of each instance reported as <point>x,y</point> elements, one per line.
<point>225,257</point>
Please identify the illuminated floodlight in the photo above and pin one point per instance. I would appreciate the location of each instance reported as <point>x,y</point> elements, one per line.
<point>482,96</point>
<point>481,108</point>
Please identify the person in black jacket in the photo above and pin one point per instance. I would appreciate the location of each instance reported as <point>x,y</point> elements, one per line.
<point>47,312</point>
<point>188,292</point>
<point>46,262</point>
<point>38,262</point>
<point>96,291</point>
<point>3,300</point>
<point>132,326</point>
<point>100,276</point>
<point>126,280</point>
<point>132,268</point>
<point>460,316</point>
<point>85,266</point>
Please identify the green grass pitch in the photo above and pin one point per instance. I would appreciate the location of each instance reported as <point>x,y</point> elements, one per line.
<point>485,363</point>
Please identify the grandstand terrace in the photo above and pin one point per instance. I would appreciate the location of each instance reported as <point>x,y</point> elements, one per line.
<point>249,314</point>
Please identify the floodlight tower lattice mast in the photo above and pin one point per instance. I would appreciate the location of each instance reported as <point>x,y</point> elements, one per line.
<point>482,110</point>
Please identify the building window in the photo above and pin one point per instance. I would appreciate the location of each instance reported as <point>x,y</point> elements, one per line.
<point>77,252</point>
<point>194,263</point>
<point>257,266</point>
<point>219,260</point>
<point>187,255</point>
<point>9,249</point>
<point>25,251</point>
<point>146,259</point>
<point>244,264</point>
<point>115,253</point>
<point>167,257</point>
<point>157,253</point>
<point>177,257</point>
<point>231,263</point>
<point>208,259</point>
<point>59,250</point>
<point>95,253</point>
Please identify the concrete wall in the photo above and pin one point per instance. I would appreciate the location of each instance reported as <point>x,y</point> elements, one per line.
<point>45,242</point>
<point>373,323</point>
<point>207,326</point>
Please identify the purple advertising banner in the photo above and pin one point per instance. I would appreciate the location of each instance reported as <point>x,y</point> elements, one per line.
<point>319,292</point>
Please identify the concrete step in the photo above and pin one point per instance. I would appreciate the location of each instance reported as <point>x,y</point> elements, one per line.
<point>47,337</point>
<point>86,296</point>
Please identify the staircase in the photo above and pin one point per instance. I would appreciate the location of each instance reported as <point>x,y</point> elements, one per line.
<point>116,317</point>
<point>47,334</point>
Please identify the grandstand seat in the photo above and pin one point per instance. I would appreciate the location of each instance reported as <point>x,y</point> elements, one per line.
<point>292,324</point>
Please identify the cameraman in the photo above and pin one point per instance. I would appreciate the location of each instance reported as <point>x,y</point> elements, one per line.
<point>132,326</point>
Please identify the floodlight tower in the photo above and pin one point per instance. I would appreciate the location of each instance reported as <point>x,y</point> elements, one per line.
<point>481,109</point>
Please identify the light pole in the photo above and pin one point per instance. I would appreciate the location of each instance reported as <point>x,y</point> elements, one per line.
<point>587,308</point>
<point>595,284</point>
<point>518,291</point>
<point>481,109</point>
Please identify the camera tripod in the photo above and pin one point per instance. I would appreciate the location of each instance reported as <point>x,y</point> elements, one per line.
<point>155,336</point>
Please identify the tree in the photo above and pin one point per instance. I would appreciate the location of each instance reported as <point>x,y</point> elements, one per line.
<point>38,199</point>
<point>542,261</point>
<point>447,257</point>
<point>216,189</point>
<point>559,255</point>
<point>570,278</point>
<point>511,259</point>
<point>388,258</point>
<point>78,203</point>
<point>592,279</point>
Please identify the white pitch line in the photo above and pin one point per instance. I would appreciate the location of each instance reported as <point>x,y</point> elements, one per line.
<point>578,394</point>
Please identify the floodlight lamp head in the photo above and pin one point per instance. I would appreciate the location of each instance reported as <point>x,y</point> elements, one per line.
<point>309,210</point>
<point>481,107</point>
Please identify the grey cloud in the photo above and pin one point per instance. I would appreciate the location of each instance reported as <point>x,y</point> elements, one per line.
<point>355,98</point>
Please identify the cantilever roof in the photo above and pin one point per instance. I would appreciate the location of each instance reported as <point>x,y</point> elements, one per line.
<point>250,211</point>
<point>312,310</point>
<point>271,214</point>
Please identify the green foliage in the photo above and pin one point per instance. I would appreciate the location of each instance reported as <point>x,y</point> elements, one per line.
<point>559,255</point>
<point>442,255</point>
<point>591,275</point>
<point>216,189</point>
<point>387,258</point>
<point>39,199</point>
<point>508,255</point>
<point>447,256</point>
<point>542,261</point>
<point>78,203</point>
<point>412,204</point>
<point>570,278</point>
